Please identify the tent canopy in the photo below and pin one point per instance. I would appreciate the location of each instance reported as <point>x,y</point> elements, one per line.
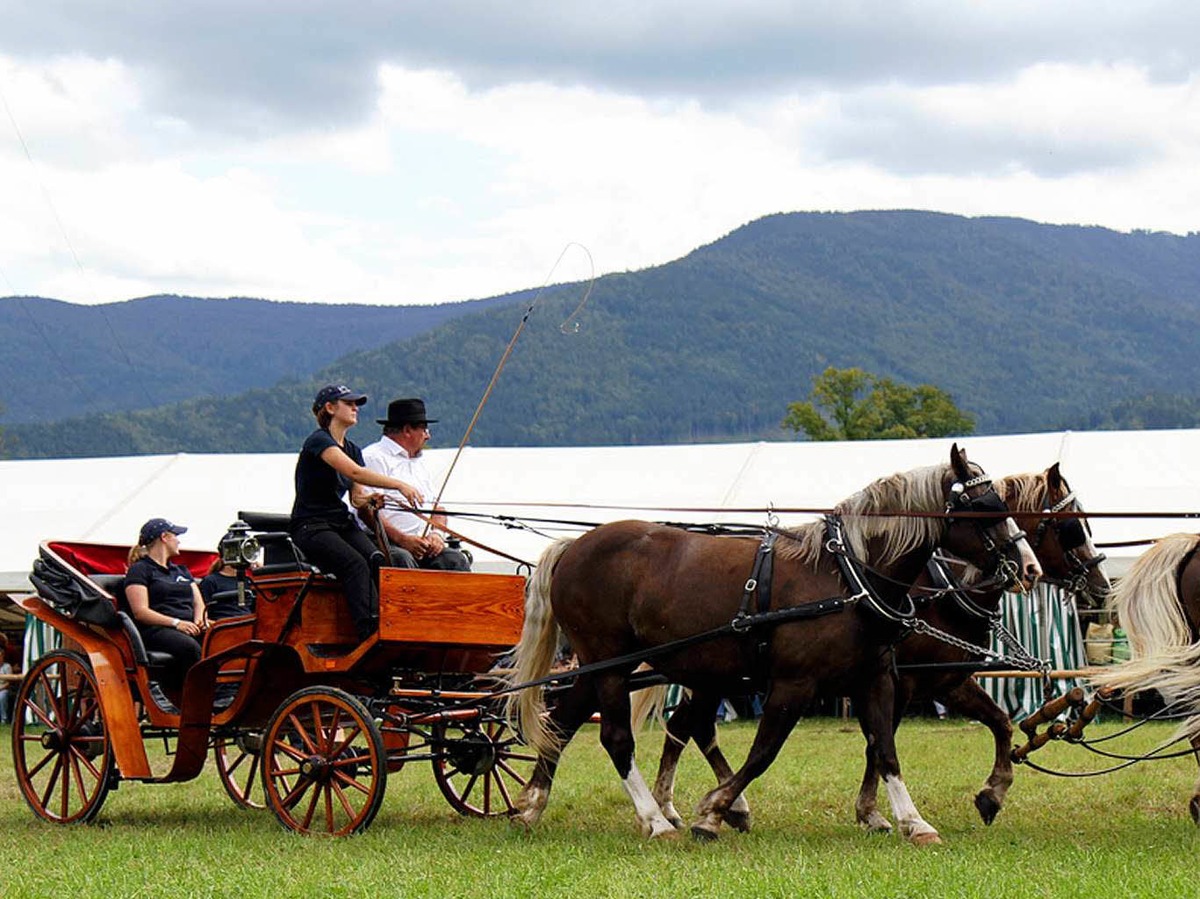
<point>107,500</point>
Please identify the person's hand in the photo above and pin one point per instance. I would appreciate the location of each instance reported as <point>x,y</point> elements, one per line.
<point>375,501</point>
<point>410,493</point>
<point>188,627</point>
<point>418,547</point>
<point>436,543</point>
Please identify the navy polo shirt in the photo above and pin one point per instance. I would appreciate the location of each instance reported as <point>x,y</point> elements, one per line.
<point>170,588</point>
<point>319,487</point>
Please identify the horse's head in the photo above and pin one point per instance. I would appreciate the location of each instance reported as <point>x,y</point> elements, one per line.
<point>991,542</point>
<point>1063,545</point>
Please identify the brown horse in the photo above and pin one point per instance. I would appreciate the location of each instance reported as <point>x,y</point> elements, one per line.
<point>633,586</point>
<point>1158,604</point>
<point>1068,558</point>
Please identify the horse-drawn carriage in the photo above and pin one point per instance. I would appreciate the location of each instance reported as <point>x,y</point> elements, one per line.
<point>299,715</point>
<point>290,699</point>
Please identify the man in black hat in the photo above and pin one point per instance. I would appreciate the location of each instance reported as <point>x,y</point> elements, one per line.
<point>397,454</point>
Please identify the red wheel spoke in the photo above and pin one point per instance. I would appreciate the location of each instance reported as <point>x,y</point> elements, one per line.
<point>312,807</point>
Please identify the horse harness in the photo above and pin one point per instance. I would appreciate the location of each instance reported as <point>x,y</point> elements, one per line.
<point>1071,536</point>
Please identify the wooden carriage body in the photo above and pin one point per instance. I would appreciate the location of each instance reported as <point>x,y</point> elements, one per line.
<point>436,628</point>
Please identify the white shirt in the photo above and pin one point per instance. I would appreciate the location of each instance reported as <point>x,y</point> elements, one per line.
<point>388,457</point>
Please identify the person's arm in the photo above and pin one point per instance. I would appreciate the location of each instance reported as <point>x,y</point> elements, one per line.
<point>343,464</point>
<point>199,609</point>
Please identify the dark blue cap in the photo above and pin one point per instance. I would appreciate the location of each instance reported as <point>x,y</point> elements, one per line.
<point>155,528</point>
<point>331,393</point>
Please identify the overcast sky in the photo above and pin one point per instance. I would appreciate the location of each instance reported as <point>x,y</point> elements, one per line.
<point>412,152</point>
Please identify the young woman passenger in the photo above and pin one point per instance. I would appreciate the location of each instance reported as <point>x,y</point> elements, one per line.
<point>330,464</point>
<point>164,598</point>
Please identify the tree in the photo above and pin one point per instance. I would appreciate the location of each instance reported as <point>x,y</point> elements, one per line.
<point>851,404</point>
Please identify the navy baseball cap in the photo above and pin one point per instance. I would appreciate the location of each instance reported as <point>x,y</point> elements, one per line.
<point>331,393</point>
<point>155,528</point>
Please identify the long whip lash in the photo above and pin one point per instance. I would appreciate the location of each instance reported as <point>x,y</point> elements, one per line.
<point>569,326</point>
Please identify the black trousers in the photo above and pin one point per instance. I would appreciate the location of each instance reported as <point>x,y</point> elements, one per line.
<point>184,650</point>
<point>346,553</point>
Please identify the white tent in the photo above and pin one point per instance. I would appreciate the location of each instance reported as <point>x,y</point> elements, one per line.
<point>106,500</point>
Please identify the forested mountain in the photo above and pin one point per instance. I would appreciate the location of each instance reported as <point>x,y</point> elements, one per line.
<point>63,360</point>
<point>1028,327</point>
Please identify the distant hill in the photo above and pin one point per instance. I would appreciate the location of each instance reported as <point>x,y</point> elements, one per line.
<point>1028,326</point>
<point>62,360</point>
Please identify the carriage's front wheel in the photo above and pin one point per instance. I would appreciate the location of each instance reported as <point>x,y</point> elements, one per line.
<point>238,760</point>
<point>323,763</point>
<point>481,767</point>
<point>61,750</point>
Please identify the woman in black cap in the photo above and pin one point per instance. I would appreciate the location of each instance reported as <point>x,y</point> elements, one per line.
<point>163,597</point>
<point>324,529</point>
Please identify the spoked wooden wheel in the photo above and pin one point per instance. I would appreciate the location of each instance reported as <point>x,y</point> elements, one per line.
<point>324,768</point>
<point>61,750</point>
<point>239,762</point>
<point>481,766</point>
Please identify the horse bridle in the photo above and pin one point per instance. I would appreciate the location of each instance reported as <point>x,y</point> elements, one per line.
<point>1071,535</point>
<point>1007,570</point>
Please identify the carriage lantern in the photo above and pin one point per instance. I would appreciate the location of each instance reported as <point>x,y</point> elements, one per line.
<point>239,549</point>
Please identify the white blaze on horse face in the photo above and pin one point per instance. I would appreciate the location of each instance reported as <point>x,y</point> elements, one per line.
<point>1031,568</point>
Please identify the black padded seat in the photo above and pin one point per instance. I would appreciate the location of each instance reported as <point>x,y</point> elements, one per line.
<point>141,655</point>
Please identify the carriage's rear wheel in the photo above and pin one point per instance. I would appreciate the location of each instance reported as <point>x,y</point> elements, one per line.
<point>481,766</point>
<point>323,763</point>
<point>61,750</point>
<point>239,760</point>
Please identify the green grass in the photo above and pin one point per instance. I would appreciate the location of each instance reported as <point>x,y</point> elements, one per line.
<point>1123,834</point>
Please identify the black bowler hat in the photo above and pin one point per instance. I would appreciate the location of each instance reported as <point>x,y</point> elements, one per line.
<point>406,412</point>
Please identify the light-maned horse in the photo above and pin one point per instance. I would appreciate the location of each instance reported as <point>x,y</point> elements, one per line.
<point>631,586</point>
<point>1158,604</point>
<point>1068,558</point>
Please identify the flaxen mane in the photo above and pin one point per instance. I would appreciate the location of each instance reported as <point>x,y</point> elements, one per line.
<point>919,490</point>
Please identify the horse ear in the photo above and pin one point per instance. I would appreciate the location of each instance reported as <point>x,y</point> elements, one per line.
<point>1054,478</point>
<point>958,461</point>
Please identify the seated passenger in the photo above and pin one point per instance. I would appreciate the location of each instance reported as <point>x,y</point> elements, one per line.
<point>330,464</point>
<point>219,588</point>
<point>164,598</point>
<point>398,454</point>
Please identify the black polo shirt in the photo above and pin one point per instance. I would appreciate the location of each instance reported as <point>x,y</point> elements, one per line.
<point>217,584</point>
<point>170,588</point>
<point>319,487</point>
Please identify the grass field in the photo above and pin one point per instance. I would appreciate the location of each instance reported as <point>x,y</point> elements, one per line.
<point>1122,835</point>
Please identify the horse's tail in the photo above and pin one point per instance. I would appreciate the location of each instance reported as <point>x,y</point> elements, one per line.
<point>648,703</point>
<point>540,638</point>
<point>1162,654</point>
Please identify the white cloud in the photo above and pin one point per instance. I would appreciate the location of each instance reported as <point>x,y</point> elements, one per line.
<point>458,167</point>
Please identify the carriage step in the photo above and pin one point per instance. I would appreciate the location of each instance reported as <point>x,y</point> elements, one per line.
<point>159,698</point>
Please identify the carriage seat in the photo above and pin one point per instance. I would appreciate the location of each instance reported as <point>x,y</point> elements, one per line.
<point>280,554</point>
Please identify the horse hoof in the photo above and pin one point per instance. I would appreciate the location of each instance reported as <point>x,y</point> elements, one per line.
<point>739,821</point>
<point>929,838</point>
<point>671,834</point>
<point>703,834</point>
<point>988,806</point>
<point>1194,809</point>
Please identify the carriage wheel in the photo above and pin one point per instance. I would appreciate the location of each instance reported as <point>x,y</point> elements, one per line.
<point>481,766</point>
<point>238,761</point>
<point>323,764</point>
<point>60,743</point>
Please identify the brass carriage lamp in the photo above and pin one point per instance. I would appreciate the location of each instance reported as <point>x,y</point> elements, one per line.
<point>239,550</point>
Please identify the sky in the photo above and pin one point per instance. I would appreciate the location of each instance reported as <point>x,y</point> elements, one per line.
<point>417,152</point>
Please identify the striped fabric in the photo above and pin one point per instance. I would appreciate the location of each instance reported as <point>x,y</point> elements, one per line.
<point>1047,625</point>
